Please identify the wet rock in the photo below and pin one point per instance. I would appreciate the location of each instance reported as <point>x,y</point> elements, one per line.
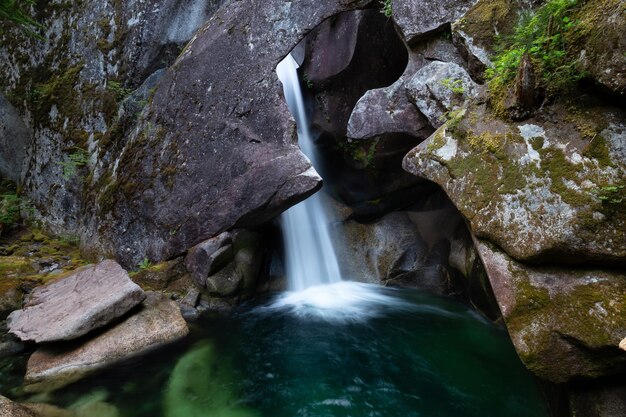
<point>416,19</point>
<point>73,306</point>
<point>157,323</point>
<point>438,88</point>
<point>11,296</point>
<point>407,248</point>
<point>565,323</point>
<point>240,275</point>
<point>547,190</point>
<point>10,409</point>
<point>198,375</point>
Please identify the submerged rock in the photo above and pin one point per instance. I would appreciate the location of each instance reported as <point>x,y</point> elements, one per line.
<point>10,409</point>
<point>565,323</point>
<point>73,306</point>
<point>200,385</point>
<point>157,323</point>
<point>548,190</point>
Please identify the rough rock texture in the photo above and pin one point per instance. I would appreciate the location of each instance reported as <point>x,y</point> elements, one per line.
<point>602,24</point>
<point>228,264</point>
<point>438,88</point>
<point>10,409</point>
<point>415,19</point>
<point>160,276</point>
<point>15,139</point>
<point>475,34</point>
<point>73,306</point>
<point>549,189</point>
<point>157,323</point>
<point>218,121</point>
<point>68,89</point>
<point>565,323</point>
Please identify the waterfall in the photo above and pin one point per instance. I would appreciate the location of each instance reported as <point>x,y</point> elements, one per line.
<point>310,258</point>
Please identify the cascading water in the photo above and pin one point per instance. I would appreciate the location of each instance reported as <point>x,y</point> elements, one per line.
<point>309,254</point>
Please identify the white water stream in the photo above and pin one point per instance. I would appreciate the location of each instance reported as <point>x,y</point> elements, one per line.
<point>309,254</point>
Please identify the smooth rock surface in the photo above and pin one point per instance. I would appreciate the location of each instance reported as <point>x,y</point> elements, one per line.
<point>73,306</point>
<point>545,190</point>
<point>565,323</point>
<point>157,323</point>
<point>415,19</point>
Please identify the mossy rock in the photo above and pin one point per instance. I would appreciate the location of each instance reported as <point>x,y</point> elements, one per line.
<point>552,188</point>
<point>565,324</point>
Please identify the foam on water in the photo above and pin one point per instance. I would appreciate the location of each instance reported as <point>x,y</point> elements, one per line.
<point>346,301</point>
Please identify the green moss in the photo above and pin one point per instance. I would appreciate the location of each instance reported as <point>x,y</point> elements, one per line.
<point>537,142</point>
<point>598,150</point>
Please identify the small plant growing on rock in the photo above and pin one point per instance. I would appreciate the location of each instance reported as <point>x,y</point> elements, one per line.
<point>611,194</point>
<point>454,85</point>
<point>543,37</point>
<point>387,9</point>
<point>144,264</point>
<point>116,88</point>
<point>76,159</point>
<point>15,11</point>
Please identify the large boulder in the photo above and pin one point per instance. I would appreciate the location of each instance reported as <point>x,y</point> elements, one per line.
<point>547,190</point>
<point>440,88</point>
<point>565,323</point>
<point>15,140</point>
<point>417,19</point>
<point>217,120</point>
<point>73,306</point>
<point>158,322</point>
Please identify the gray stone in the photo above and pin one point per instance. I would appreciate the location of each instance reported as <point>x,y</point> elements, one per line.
<point>540,190</point>
<point>15,142</point>
<point>438,88</point>
<point>157,323</point>
<point>73,306</point>
<point>416,19</point>
<point>565,323</point>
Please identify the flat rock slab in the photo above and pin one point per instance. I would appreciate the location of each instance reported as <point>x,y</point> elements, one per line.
<point>74,306</point>
<point>158,322</point>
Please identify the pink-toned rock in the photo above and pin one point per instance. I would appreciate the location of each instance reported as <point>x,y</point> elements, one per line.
<point>72,307</point>
<point>10,409</point>
<point>54,366</point>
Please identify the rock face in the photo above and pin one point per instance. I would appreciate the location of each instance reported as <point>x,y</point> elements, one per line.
<point>157,323</point>
<point>69,308</point>
<point>547,190</point>
<point>15,139</point>
<point>217,120</point>
<point>415,19</point>
<point>564,323</point>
